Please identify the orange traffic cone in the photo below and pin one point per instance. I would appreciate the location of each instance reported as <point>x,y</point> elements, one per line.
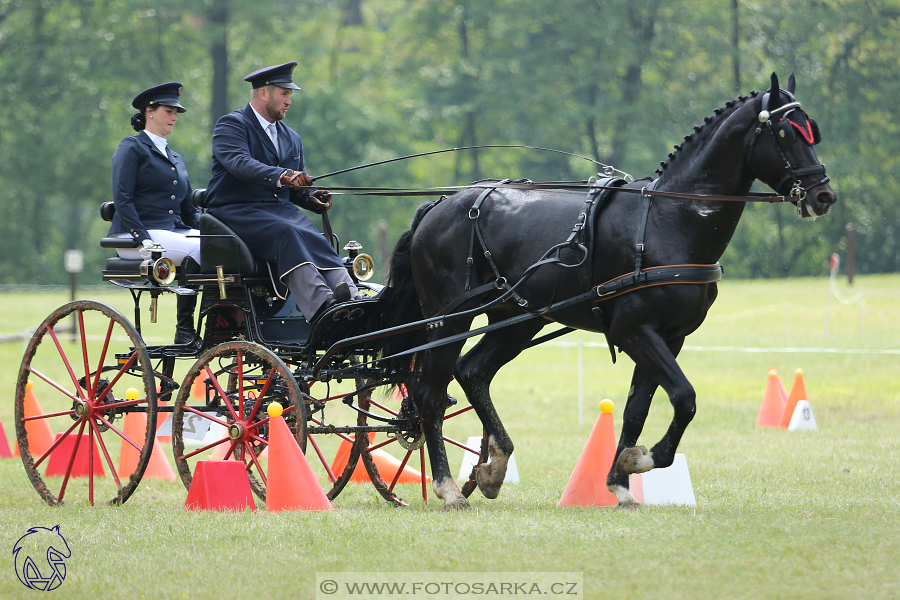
<point>158,467</point>
<point>587,485</point>
<point>58,462</point>
<point>387,466</point>
<point>343,455</point>
<point>773,402</point>
<point>198,387</point>
<point>4,444</point>
<point>219,485</point>
<point>798,392</point>
<point>291,483</point>
<point>40,437</point>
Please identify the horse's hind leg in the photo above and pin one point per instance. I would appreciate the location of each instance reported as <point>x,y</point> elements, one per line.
<point>474,372</point>
<point>429,393</point>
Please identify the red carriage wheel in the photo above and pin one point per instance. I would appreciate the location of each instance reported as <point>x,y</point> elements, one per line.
<point>85,406</point>
<point>220,414</point>
<point>228,421</point>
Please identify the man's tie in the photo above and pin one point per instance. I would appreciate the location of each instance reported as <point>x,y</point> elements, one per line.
<point>273,134</point>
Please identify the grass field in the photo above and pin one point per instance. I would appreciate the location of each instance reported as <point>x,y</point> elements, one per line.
<point>800,515</point>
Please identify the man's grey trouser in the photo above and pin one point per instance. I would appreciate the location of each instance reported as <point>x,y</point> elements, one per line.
<point>310,287</point>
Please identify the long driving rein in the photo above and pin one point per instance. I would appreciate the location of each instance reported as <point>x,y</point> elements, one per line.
<point>580,238</point>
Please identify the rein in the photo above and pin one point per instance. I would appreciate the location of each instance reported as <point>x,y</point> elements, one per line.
<point>563,185</point>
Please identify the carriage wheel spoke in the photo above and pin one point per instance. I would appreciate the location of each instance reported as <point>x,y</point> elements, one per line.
<point>461,445</point>
<point>122,371</point>
<point>240,381</point>
<point>62,490</point>
<point>206,416</point>
<point>121,434</point>
<point>331,475</point>
<point>213,445</point>
<point>48,415</point>
<point>459,412</point>
<point>422,467</point>
<point>382,444</point>
<point>103,353</point>
<point>400,470</point>
<point>222,393</point>
<point>59,440</point>
<point>259,398</point>
<point>84,352</point>
<point>105,450</point>
<point>58,387</point>
<point>65,359</point>
<point>90,450</point>
<point>254,461</point>
<point>383,407</point>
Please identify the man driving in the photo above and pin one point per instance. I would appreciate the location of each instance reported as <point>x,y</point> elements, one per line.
<point>256,168</point>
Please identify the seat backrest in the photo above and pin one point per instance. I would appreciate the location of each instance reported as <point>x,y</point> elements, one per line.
<point>107,210</point>
<point>198,198</point>
<point>229,251</point>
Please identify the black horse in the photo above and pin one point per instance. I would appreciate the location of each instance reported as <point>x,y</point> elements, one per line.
<point>763,136</point>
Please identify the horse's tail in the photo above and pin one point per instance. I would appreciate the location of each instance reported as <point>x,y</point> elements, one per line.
<point>405,307</point>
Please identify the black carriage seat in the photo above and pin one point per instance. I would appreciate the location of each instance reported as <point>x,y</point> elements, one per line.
<point>117,267</point>
<point>226,249</point>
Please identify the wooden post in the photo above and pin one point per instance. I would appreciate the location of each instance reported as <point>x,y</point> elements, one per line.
<point>851,266</point>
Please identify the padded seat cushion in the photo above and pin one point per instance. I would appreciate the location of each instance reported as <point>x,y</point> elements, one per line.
<point>229,251</point>
<point>124,266</point>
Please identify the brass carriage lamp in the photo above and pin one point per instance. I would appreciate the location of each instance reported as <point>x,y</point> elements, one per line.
<point>157,271</point>
<point>363,267</point>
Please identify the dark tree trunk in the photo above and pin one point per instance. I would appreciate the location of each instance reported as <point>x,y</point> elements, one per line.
<point>217,13</point>
<point>735,46</point>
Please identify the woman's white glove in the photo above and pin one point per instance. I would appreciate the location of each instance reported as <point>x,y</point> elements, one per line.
<point>146,244</point>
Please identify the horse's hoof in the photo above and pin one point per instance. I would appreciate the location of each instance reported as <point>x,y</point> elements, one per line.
<point>634,460</point>
<point>629,505</point>
<point>487,480</point>
<point>459,504</point>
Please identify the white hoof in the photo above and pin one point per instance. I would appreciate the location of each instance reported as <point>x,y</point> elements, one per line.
<point>624,497</point>
<point>448,491</point>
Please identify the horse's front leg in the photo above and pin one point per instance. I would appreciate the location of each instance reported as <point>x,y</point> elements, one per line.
<point>654,364</point>
<point>430,395</point>
<point>637,406</point>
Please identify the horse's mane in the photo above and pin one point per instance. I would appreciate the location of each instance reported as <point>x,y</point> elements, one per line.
<point>709,124</point>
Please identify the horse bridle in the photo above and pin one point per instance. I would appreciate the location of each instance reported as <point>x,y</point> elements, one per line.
<point>782,131</point>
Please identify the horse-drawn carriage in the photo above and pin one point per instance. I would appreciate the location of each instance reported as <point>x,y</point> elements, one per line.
<point>109,395</point>
<point>598,255</point>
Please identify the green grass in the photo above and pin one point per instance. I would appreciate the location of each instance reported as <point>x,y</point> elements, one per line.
<point>779,515</point>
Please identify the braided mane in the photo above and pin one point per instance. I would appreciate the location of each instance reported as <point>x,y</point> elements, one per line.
<point>700,131</point>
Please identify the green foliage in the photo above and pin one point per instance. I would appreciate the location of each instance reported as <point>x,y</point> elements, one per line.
<point>619,81</point>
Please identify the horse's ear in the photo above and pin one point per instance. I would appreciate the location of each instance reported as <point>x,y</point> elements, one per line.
<point>774,94</point>
<point>792,85</point>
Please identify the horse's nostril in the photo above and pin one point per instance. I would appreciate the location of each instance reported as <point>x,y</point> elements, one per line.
<point>827,198</point>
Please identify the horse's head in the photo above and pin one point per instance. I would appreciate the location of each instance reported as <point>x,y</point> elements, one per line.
<point>782,154</point>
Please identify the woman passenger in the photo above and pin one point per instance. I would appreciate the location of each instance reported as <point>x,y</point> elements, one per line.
<point>152,194</point>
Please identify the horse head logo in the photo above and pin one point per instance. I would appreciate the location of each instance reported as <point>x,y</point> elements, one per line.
<point>40,558</point>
